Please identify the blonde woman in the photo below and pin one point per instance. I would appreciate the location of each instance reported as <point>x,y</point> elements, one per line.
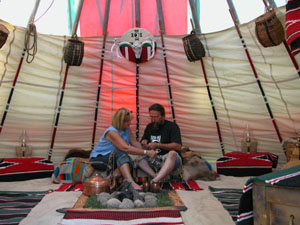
<point>119,139</point>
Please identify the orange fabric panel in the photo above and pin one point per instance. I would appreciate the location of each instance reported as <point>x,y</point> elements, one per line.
<point>122,17</point>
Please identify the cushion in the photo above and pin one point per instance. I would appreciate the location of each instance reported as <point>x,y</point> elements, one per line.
<point>20,169</point>
<point>246,164</point>
<point>70,171</point>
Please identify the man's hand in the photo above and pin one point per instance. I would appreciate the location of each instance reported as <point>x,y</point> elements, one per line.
<point>153,145</point>
<point>151,154</point>
<point>144,144</point>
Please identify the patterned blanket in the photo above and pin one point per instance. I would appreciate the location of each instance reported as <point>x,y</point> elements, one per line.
<point>16,205</point>
<point>230,199</point>
<point>243,164</point>
<point>122,217</point>
<point>19,169</point>
<point>288,177</point>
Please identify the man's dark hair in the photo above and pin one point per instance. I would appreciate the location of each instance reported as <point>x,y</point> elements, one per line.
<point>157,107</point>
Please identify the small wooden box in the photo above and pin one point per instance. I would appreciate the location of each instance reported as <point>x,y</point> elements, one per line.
<point>275,205</point>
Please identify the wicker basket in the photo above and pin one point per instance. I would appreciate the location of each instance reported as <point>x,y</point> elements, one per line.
<point>292,151</point>
<point>3,35</point>
<point>193,47</point>
<point>269,30</point>
<point>74,52</point>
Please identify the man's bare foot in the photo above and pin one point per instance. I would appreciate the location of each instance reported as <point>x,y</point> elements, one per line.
<point>136,186</point>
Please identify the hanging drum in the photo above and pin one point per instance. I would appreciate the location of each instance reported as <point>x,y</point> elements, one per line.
<point>74,52</point>
<point>193,47</point>
<point>137,45</point>
<point>269,30</point>
<point>3,35</point>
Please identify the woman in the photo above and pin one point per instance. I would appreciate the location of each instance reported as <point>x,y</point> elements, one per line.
<point>118,139</point>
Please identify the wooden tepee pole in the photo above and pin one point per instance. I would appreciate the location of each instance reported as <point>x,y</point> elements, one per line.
<point>198,30</point>
<point>101,70</point>
<point>256,78</point>
<point>137,84</point>
<point>162,33</point>
<point>62,91</point>
<point>31,20</point>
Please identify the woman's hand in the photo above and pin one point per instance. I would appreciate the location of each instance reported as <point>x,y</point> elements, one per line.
<point>144,144</point>
<point>151,154</point>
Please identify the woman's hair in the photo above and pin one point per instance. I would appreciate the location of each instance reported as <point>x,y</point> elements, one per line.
<point>121,116</point>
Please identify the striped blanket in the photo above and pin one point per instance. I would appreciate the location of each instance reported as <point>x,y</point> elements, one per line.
<point>16,205</point>
<point>122,217</point>
<point>292,25</point>
<point>190,185</point>
<point>230,199</point>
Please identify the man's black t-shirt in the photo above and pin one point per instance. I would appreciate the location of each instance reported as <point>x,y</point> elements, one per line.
<point>167,133</point>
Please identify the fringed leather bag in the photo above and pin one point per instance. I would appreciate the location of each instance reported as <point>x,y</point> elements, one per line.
<point>74,52</point>
<point>193,47</point>
<point>269,30</point>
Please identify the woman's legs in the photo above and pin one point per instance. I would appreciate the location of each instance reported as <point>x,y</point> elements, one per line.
<point>126,173</point>
<point>124,163</point>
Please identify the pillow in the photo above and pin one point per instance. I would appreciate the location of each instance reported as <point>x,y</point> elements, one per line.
<point>70,171</point>
<point>20,169</point>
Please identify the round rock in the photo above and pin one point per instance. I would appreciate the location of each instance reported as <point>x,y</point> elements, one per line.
<point>139,204</point>
<point>126,204</point>
<point>113,203</point>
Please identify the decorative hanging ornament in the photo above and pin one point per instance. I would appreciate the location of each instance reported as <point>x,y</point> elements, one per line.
<point>136,45</point>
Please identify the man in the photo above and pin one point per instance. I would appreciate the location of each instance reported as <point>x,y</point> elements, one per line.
<point>164,137</point>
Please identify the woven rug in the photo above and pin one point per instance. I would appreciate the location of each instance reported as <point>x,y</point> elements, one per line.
<point>70,187</point>
<point>190,185</point>
<point>76,217</point>
<point>16,205</point>
<point>230,199</point>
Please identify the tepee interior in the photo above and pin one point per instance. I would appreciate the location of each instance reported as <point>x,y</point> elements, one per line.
<point>239,88</point>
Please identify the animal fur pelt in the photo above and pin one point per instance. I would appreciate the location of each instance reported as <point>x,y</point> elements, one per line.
<point>80,153</point>
<point>195,168</point>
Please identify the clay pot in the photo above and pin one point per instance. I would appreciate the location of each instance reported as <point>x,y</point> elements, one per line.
<point>155,187</point>
<point>146,186</point>
<point>95,185</point>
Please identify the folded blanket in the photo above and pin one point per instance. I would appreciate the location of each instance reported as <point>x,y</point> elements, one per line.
<point>292,25</point>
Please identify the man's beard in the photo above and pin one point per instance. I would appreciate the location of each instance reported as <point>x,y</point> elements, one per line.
<point>156,126</point>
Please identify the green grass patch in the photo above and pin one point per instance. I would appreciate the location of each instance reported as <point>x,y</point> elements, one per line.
<point>163,200</point>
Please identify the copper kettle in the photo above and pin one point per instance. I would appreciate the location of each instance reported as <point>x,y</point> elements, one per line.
<point>95,185</point>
